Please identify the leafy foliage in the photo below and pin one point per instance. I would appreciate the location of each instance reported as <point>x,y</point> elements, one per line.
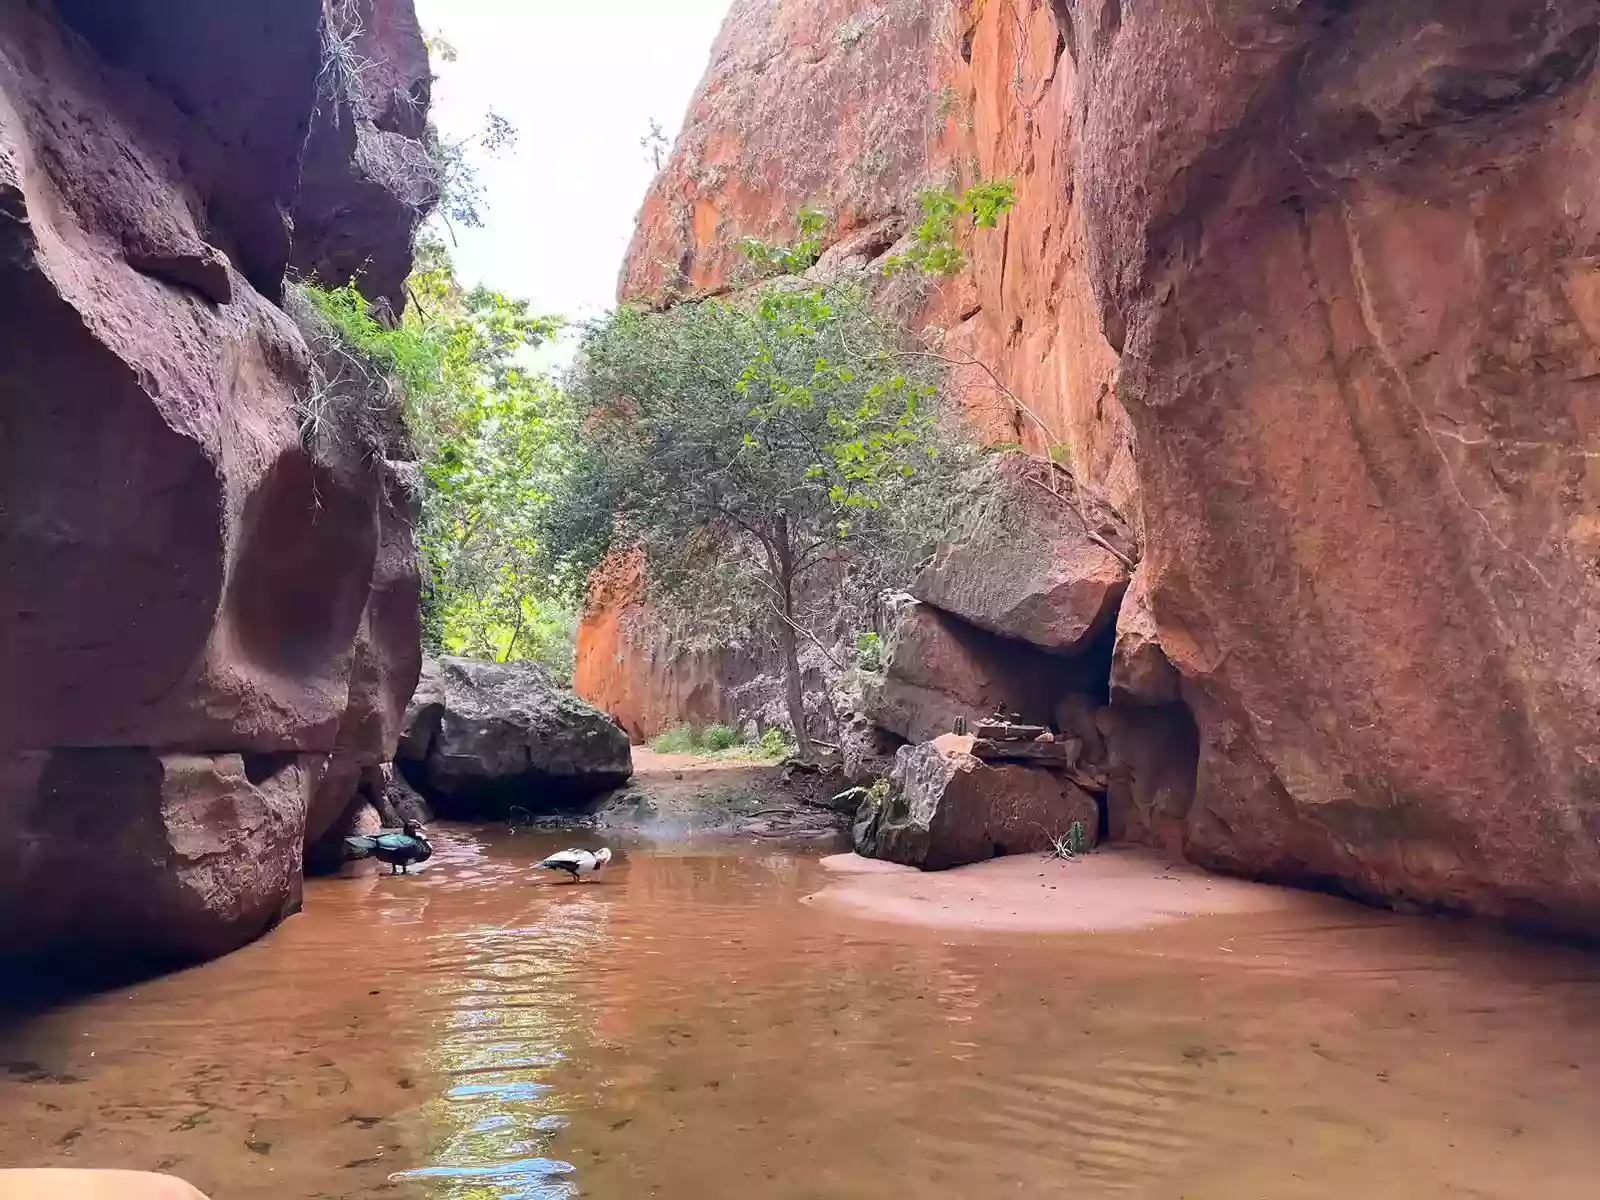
<point>934,247</point>
<point>745,444</point>
<point>493,440</point>
<point>675,741</point>
<point>719,737</point>
<point>770,260</point>
<point>869,651</point>
<point>782,423</point>
<point>876,794</point>
<point>1071,845</point>
<point>721,741</point>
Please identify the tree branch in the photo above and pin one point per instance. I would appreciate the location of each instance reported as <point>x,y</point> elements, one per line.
<point>801,629</point>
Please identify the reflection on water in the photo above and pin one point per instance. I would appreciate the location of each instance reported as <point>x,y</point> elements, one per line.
<point>509,1014</point>
<point>688,1028</point>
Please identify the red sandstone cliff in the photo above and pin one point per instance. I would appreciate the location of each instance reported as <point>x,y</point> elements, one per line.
<point>207,604</point>
<point>1309,287</point>
<point>858,107</point>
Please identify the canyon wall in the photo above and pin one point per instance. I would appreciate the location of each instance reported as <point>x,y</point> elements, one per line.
<point>857,107</point>
<point>1308,289</point>
<point>208,595</point>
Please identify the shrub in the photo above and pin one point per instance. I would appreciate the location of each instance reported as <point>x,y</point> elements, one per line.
<point>675,741</point>
<point>869,651</point>
<point>718,737</point>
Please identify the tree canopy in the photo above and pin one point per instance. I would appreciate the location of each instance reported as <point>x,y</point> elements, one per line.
<point>745,442</point>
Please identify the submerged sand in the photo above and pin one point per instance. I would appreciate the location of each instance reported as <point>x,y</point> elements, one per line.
<point>1109,890</point>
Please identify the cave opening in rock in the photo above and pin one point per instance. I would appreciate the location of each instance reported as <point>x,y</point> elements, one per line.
<point>258,768</point>
<point>1091,665</point>
<point>1077,714</point>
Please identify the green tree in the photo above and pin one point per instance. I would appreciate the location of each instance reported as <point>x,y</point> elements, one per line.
<point>743,443</point>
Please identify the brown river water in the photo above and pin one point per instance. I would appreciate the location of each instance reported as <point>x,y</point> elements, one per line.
<point>690,1027</point>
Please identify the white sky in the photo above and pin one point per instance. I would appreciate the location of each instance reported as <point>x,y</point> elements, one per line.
<point>581,82</point>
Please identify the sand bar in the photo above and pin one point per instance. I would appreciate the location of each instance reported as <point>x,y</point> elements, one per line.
<point>1109,890</point>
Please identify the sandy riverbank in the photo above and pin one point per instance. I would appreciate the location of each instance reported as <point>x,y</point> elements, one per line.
<point>1110,890</point>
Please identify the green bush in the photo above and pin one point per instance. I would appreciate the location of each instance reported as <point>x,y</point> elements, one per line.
<point>675,741</point>
<point>492,440</point>
<point>719,737</point>
<point>775,743</point>
<point>869,651</point>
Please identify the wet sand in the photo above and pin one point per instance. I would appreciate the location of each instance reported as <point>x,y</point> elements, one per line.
<point>690,1027</point>
<point>1110,890</point>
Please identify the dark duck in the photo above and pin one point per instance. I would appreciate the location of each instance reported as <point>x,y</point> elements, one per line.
<point>399,850</point>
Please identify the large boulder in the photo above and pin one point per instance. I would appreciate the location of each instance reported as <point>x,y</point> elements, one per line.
<point>420,722</point>
<point>940,668</point>
<point>126,854</point>
<point>946,808</point>
<point>1036,559</point>
<point>503,736</point>
<point>198,540</point>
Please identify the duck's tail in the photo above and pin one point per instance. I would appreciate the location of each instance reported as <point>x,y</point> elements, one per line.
<point>360,847</point>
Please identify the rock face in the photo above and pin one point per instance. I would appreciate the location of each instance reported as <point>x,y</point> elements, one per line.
<point>366,175</point>
<point>172,857</point>
<point>941,668</point>
<point>634,666</point>
<point>198,604</point>
<point>856,106</point>
<point>1033,561</point>
<point>1333,264</point>
<point>630,666</point>
<point>948,808</point>
<point>1152,754</point>
<point>1140,670</point>
<point>1353,277</point>
<point>503,736</point>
